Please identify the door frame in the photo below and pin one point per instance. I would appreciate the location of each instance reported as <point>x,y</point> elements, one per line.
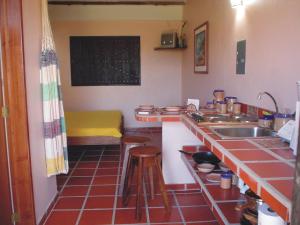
<point>16,122</point>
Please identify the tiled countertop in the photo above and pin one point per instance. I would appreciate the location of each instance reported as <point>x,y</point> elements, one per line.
<point>265,164</point>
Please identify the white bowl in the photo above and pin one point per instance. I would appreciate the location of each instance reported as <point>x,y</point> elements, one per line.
<point>206,167</point>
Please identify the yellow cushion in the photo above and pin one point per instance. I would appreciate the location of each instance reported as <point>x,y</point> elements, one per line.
<point>93,123</point>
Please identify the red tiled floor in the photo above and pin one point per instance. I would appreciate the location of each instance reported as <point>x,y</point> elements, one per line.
<point>190,199</point>
<point>86,165</point>
<point>267,170</point>
<point>62,218</point>
<point>284,186</point>
<point>105,180</point>
<point>127,216</point>
<point>108,164</point>
<point>159,215</point>
<point>231,215</point>
<point>69,203</point>
<point>158,201</point>
<point>83,172</point>
<point>237,145</point>
<point>197,213</point>
<point>110,158</point>
<point>96,217</point>
<point>107,171</point>
<point>79,181</point>
<point>74,191</point>
<point>131,202</point>
<point>103,190</point>
<point>252,155</point>
<point>100,202</point>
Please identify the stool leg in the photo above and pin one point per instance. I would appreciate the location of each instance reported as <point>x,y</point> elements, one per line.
<point>162,186</point>
<point>127,181</point>
<point>124,168</point>
<point>138,212</point>
<point>151,183</point>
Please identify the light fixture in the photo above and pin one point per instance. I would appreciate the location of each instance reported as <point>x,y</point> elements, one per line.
<point>236,3</point>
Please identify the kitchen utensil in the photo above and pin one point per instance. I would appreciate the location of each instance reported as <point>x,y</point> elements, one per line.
<point>205,167</point>
<point>203,157</point>
<point>213,177</point>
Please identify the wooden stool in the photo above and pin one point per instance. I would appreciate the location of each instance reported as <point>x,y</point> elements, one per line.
<point>129,142</point>
<point>144,157</point>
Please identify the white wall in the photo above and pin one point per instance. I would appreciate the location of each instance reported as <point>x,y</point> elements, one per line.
<point>272,32</point>
<point>160,70</point>
<point>44,188</point>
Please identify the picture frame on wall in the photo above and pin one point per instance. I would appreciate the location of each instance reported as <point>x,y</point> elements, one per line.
<point>201,49</point>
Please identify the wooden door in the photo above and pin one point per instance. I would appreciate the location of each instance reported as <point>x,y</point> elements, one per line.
<point>15,136</point>
<point>5,187</point>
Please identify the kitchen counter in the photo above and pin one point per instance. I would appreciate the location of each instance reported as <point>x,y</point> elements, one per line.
<point>265,164</point>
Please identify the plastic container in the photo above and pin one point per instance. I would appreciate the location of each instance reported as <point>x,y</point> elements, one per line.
<point>226,180</point>
<point>266,121</point>
<point>281,119</point>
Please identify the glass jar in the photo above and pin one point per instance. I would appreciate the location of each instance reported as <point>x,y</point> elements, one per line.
<point>226,180</point>
<point>281,119</point>
<point>230,103</point>
<point>266,121</point>
<point>219,95</point>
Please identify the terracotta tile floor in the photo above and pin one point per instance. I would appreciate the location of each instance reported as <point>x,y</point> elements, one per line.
<point>88,194</point>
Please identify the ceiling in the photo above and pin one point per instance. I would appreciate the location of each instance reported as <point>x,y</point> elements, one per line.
<point>115,2</point>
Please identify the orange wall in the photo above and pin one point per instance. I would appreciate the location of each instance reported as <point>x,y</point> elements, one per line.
<point>160,70</point>
<point>272,32</point>
<point>44,188</point>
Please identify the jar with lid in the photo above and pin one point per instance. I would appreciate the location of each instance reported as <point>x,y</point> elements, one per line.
<point>230,103</point>
<point>266,121</point>
<point>219,95</point>
<point>281,119</point>
<point>226,180</point>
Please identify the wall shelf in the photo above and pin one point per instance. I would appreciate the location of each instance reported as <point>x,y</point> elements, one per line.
<point>176,48</point>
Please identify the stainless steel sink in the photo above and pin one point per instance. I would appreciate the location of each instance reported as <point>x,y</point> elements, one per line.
<point>237,132</point>
<point>217,118</point>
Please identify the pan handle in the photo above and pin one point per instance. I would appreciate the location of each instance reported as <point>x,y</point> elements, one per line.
<point>184,152</point>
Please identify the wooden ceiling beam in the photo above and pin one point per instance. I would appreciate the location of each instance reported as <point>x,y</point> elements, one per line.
<point>115,3</point>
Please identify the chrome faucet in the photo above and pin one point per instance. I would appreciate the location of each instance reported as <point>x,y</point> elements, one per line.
<point>267,93</point>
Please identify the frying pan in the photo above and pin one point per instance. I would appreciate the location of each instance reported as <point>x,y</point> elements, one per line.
<point>202,157</point>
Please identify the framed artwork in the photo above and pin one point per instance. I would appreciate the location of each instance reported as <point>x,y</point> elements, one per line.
<point>201,49</point>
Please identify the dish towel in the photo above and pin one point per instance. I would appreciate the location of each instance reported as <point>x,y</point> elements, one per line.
<point>53,113</point>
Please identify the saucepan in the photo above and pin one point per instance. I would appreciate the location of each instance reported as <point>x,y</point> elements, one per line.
<point>203,157</point>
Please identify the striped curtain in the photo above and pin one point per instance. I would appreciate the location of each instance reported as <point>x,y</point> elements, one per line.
<point>53,112</point>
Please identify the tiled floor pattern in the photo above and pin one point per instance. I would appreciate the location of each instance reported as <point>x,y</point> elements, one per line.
<point>88,194</point>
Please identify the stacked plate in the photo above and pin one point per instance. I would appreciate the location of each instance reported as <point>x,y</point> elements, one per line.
<point>145,109</point>
<point>172,109</point>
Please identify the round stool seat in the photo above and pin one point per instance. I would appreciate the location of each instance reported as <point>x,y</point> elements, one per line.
<point>144,151</point>
<point>135,139</point>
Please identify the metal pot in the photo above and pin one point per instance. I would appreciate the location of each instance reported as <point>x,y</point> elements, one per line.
<point>203,157</point>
